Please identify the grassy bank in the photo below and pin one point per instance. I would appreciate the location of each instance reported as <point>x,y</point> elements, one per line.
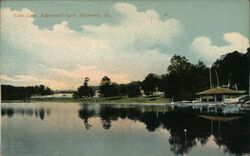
<point>101,100</point>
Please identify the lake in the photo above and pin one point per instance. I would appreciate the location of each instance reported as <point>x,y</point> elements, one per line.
<point>72,129</point>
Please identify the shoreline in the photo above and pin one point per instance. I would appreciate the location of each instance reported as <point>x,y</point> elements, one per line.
<point>113,100</point>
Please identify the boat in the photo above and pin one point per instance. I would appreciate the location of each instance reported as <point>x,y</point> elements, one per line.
<point>239,99</point>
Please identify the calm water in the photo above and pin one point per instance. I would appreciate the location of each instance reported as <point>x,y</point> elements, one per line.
<point>71,129</point>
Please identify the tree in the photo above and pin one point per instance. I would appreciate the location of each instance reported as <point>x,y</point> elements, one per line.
<point>84,90</point>
<point>121,89</point>
<point>134,89</point>
<point>107,88</point>
<point>177,77</point>
<point>9,92</point>
<point>233,69</point>
<point>179,64</point>
<point>198,78</point>
<point>150,83</point>
<point>185,79</point>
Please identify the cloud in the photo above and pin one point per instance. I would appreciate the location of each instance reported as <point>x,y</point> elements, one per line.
<point>136,28</point>
<point>6,78</point>
<point>204,48</point>
<point>125,50</point>
<point>96,75</point>
<point>31,80</point>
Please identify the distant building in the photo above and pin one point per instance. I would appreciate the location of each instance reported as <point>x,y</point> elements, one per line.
<point>55,95</point>
<point>157,92</point>
<point>97,94</point>
<point>63,95</point>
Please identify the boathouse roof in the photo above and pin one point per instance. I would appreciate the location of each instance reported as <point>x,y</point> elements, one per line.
<point>220,90</point>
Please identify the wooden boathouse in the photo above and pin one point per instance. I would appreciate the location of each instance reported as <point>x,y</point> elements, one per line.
<point>218,94</point>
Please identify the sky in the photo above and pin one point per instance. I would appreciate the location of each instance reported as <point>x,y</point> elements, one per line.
<point>59,43</point>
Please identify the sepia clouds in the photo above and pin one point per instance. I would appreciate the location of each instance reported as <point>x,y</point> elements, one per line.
<point>124,51</point>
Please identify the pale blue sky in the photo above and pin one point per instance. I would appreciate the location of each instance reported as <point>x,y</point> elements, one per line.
<point>201,26</point>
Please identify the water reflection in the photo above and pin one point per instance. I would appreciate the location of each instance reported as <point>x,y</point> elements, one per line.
<point>37,112</point>
<point>186,129</point>
<point>85,114</point>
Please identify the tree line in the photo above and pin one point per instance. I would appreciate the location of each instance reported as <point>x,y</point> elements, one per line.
<point>183,79</point>
<point>9,92</point>
<point>107,88</point>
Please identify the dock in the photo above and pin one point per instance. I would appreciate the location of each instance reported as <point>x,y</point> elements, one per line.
<point>219,108</point>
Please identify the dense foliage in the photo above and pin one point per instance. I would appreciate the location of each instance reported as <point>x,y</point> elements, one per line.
<point>107,88</point>
<point>150,83</point>
<point>233,69</point>
<point>9,92</point>
<point>185,79</point>
<point>134,89</point>
<point>84,90</point>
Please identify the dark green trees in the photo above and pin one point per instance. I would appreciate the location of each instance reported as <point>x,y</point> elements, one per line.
<point>107,88</point>
<point>41,90</point>
<point>184,79</point>
<point>233,69</point>
<point>9,92</point>
<point>150,83</point>
<point>134,89</point>
<point>84,90</point>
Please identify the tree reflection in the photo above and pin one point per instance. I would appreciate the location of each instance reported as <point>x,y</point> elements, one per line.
<point>235,135</point>
<point>151,120</point>
<point>186,129</point>
<point>84,113</point>
<point>39,112</point>
<point>7,111</point>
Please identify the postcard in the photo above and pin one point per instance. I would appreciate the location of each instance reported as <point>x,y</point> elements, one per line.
<point>125,78</point>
